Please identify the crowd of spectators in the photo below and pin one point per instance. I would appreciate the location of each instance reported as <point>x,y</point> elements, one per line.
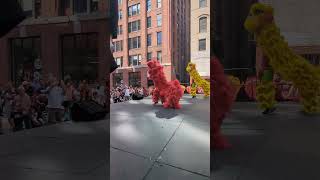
<point>122,93</point>
<point>42,102</point>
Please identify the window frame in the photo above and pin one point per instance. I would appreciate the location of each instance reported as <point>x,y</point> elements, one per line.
<point>159,59</point>
<point>159,43</point>
<point>201,29</point>
<point>203,3</point>
<point>136,78</point>
<point>159,20</point>
<point>149,40</point>
<point>135,58</point>
<point>137,11</point>
<point>149,22</point>
<point>159,3</point>
<point>131,42</point>
<point>149,5</point>
<point>136,24</point>
<point>205,43</point>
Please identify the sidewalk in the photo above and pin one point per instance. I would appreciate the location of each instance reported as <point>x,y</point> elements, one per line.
<point>282,146</point>
<point>152,143</point>
<point>64,151</point>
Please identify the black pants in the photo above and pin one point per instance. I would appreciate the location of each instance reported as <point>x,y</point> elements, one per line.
<point>20,119</point>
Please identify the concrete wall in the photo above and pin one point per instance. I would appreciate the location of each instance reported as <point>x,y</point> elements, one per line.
<point>49,27</point>
<point>298,20</point>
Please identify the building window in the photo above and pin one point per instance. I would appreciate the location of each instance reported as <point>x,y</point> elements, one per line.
<point>202,3</point>
<point>27,7</point>
<point>64,8</point>
<point>119,2</point>
<point>159,56</point>
<point>149,56</point>
<point>203,24</point>
<point>134,10</point>
<point>80,56</point>
<point>149,20</point>
<point>159,20</point>
<point>94,5</point>
<point>117,78</point>
<point>148,5</point>
<point>80,6</point>
<point>135,60</point>
<point>120,15</point>
<point>26,58</point>
<point>149,40</point>
<point>119,30</point>
<point>37,8</point>
<point>118,46</point>
<point>135,79</point>
<point>134,43</point>
<point>159,4</point>
<point>159,38</point>
<point>119,61</point>
<point>202,45</point>
<point>134,26</point>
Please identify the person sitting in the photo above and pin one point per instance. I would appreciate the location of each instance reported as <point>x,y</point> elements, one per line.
<point>21,112</point>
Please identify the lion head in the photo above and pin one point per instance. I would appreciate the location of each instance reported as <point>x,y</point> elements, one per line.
<point>155,70</point>
<point>260,16</point>
<point>191,67</point>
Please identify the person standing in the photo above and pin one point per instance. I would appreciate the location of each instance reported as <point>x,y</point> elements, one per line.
<point>55,99</point>
<point>127,94</point>
<point>68,100</point>
<point>84,91</point>
<point>101,94</point>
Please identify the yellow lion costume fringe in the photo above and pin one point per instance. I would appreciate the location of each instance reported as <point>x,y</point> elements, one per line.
<point>291,67</point>
<point>200,82</point>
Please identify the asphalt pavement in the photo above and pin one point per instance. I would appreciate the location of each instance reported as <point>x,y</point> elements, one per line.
<point>281,146</point>
<point>152,143</point>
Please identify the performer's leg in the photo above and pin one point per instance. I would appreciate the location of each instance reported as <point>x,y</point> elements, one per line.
<point>266,92</point>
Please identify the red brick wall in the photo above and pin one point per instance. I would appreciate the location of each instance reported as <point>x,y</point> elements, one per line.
<point>51,48</point>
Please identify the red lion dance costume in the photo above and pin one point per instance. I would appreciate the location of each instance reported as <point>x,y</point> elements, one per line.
<point>220,102</point>
<point>168,92</point>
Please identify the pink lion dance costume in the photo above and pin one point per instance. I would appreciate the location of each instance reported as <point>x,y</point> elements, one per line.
<point>221,102</point>
<point>168,92</point>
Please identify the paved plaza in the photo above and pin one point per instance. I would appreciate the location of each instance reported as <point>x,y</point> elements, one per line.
<point>66,151</point>
<point>147,142</point>
<point>281,146</point>
<point>152,143</point>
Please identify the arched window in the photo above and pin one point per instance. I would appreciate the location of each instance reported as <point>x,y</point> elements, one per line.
<point>203,24</point>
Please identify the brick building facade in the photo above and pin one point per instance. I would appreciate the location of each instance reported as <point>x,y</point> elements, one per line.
<point>151,29</point>
<point>59,38</point>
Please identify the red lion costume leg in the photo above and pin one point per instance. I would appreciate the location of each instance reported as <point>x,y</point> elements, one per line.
<point>174,93</point>
<point>155,95</point>
<point>221,102</point>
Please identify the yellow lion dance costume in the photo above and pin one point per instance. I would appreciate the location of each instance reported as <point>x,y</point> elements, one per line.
<point>205,85</point>
<point>291,67</point>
